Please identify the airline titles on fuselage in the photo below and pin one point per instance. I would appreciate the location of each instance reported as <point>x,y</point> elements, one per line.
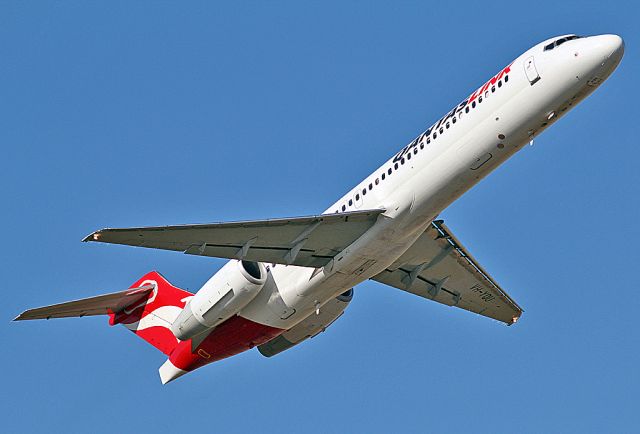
<point>438,128</point>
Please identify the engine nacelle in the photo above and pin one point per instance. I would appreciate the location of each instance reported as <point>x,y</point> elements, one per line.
<point>224,295</point>
<point>308,327</point>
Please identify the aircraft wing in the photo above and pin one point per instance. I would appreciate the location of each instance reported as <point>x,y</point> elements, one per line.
<point>100,305</point>
<point>305,241</point>
<point>439,268</point>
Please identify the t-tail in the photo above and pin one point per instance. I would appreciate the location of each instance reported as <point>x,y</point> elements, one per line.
<point>147,308</point>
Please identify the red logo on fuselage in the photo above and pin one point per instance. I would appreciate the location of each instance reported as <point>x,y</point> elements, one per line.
<point>491,82</point>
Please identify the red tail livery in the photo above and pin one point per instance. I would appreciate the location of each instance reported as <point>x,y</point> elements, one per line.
<point>151,318</point>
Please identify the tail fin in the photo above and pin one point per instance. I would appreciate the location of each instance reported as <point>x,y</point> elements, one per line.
<point>151,318</point>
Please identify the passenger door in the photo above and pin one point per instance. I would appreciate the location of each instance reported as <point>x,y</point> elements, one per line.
<point>531,71</point>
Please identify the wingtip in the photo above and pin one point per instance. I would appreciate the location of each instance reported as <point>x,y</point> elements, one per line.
<point>21,317</point>
<point>93,236</point>
<point>513,320</point>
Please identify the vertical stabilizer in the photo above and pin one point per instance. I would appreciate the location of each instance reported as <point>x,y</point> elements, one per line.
<point>151,318</point>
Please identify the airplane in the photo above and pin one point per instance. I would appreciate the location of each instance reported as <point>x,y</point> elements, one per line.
<point>288,279</point>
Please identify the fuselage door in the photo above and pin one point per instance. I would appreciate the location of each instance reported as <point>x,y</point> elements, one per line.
<point>531,71</point>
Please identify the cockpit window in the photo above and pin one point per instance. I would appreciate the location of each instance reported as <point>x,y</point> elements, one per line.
<point>560,41</point>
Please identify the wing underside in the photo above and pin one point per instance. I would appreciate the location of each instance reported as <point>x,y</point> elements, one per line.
<point>439,268</point>
<point>304,241</point>
<point>436,267</point>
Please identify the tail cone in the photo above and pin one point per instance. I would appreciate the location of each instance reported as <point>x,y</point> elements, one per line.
<point>168,372</point>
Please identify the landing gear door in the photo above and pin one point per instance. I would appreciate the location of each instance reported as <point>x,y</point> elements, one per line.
<point>531,71</point>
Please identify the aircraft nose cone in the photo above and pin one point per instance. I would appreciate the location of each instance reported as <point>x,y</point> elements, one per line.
<point>602,54</point>
<point>611,47</point>
<point>618,48</point>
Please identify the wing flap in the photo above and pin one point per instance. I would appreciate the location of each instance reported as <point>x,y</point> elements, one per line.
<point>99,305</point>
<point>305,241</point>
<point>439,268</point>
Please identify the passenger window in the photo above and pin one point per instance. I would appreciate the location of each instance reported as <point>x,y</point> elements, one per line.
<point>344,207</point>
<point>506,78</point>
<point>409,155</point>
<point>466,109</point>
<point>473,104</point>
<point>499,83</point>
<point>370,186</point>
<point>377,181</point>
<point>493,89</point>
<point>480,100</point>
<point>396,166</point>
<point>350,202</point>
<point>447,125</point>
<point>390,170</point>
<point>383,175</point>
<point>357,196</point>
<point>453,120</point>
<point>402,161</point>
<point>364,191</point>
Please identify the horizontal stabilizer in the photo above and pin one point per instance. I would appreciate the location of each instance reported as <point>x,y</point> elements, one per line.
<point>147,309</point>
<point>100,305</point>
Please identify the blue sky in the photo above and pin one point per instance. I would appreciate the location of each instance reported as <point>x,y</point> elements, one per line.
<point>148,113</point>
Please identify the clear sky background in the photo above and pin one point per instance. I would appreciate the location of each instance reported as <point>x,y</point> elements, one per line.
<point>147,113</point>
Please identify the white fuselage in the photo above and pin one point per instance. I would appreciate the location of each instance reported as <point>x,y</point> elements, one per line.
<point>425,177</point>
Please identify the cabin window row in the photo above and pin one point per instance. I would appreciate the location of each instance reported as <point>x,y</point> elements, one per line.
<point>433,136</point>
<point>467,109</point>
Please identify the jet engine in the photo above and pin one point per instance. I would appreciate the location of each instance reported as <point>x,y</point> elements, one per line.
<point>224,295</point>
<point>309,327</point>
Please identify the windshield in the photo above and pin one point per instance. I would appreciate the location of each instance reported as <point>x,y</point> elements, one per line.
<point>560,41</point>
